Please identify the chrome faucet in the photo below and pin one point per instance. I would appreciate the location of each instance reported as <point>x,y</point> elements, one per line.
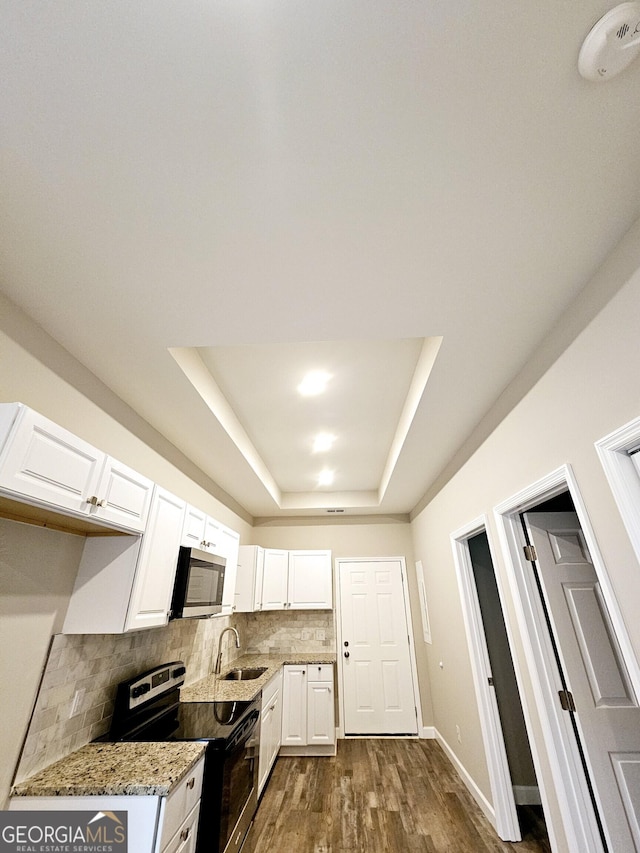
<point>218,666</point>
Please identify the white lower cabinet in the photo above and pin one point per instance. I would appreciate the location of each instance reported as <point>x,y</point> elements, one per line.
<point>154,824</point>
<point>270,728</point>
<point>179,817</point>
<point>125,583</point>
<point>308,711</point>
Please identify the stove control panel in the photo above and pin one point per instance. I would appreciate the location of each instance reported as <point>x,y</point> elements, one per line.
<point>148,686</point>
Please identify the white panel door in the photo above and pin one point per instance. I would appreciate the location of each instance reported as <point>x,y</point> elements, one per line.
<point>607,713</point>
<point>377,678</point>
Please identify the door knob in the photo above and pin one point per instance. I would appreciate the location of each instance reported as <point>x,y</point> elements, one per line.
<point>346,654</point>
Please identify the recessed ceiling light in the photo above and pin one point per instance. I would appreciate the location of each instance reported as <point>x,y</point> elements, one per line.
<point>325,478</point>
<point>323,441</point>
<point>315,382</point>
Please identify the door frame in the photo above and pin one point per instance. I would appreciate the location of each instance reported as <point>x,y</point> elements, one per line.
<point>623,478</point>
<point>505,816</point>
<point>560,749</point>
<point>410,636</point>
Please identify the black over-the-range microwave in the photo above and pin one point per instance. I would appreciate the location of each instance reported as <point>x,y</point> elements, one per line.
<point>199,584</point>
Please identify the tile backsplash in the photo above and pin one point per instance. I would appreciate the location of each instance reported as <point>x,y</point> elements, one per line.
<point>93,666</point>
<point>281,631</point>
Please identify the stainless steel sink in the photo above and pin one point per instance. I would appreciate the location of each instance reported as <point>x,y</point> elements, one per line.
<point>246,674</point>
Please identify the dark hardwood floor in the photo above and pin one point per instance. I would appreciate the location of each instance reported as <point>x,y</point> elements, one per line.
<point>378,796</point>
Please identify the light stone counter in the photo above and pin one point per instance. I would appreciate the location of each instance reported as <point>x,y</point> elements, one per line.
<point>113,769</point>
<point>215,689</point>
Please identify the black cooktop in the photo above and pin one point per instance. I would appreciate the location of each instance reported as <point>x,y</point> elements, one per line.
<point>147,708</point>
<point>206,721</point>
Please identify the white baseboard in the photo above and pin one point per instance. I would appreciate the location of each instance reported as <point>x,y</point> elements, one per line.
<point>527,795</point>
<point>427,732</point>
<point>471,786</point>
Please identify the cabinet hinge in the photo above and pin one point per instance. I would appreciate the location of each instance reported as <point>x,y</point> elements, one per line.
<point>490,681</point>
<point>530,553</point>
<point>566,701</point>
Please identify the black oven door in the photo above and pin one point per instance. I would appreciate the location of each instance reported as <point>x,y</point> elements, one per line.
<point>233,783</point>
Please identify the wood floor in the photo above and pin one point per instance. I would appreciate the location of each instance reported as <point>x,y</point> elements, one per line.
<point>377,796</point>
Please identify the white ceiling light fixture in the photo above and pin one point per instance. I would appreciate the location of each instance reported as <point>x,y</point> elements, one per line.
<point>612,44</point>
<point>315,382</point>
<point>325,477</point>
<point>323,442</point>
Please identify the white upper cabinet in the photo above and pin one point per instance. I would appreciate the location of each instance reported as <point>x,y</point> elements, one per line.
<point>43,464</point>
<point>193,530</point>
<point>156,569</point>
<point>297,580</point>
<point>123,496</point>
<point>248,595</point>
<point>125,583</point>
<point>46,463</point>
<point>203,532</point>
<point>310,585</point>
<point>275,579</point>
<point>228,548</point>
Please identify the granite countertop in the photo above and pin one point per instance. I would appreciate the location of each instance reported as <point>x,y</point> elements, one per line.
<point>214,688</point>
<point>112,769</point>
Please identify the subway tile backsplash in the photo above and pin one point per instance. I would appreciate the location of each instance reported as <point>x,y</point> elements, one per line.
<point>93,666</point>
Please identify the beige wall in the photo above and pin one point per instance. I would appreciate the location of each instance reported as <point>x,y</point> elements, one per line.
<point>590,391</point>
<point>37,572</point>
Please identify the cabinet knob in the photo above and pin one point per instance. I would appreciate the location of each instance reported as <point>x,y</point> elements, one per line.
<point>95,501</point>
<point>185,833</point>
<point>191,782</point>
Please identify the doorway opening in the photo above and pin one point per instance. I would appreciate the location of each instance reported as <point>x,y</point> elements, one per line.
<point>517,808</point>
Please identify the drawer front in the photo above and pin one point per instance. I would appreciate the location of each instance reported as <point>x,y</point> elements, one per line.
<point>181,802</point>
<point>184,840</point>
<point>320,672</point>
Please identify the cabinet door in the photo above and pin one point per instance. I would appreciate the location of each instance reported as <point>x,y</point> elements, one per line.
<point>258,579</point>
<point>275,579</point>
<point>229,544</point>
<point>212,537</point>
<point>246,579</point>
<point>294,706</point>
<point>184,841</point>
<point>155,572</point>
<point>310,584</point>
<point>266,737</point>
<point>320,712</point>
<point>193,529</point>
<point>49,465</point>
<point>276,726</point>
<point>123,496</point>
